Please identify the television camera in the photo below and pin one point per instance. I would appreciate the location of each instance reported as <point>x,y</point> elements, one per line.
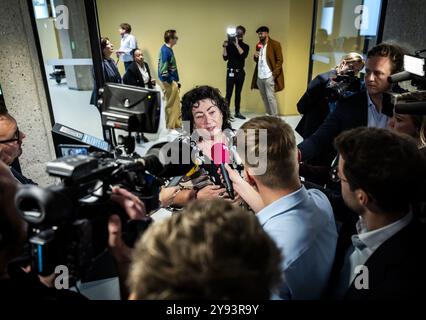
<point>343,84</point>
<point>408,101</point>
<point>68,221</point>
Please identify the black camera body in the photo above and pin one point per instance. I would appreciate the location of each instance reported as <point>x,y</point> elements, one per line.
<point>404,101</point>
<point>231,39</point>
<point>68,222</point>
<point>341,84</point>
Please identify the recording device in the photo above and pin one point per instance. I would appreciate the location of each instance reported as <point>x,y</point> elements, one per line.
<point>259,46</point>
<point>403,101</point>
<point>220,156</point>
<point>232,34</point>
<point>68,141</point>
<point>129,108</point>
<point>343,84</point>
<point>73,149</point>
<point>68,222</point>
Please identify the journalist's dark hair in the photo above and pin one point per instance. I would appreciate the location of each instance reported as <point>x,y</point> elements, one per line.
<point>169,34</point>
<point>240,27</point>
<point>386,165</point>
<point>134,51</point>
<point>104,42</point>
<point>392,51</point>
<point>262,29</point>
<point>192,98</point>
<point>127,27</point>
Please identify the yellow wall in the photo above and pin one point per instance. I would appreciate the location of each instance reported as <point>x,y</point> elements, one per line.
<point>201,27</point>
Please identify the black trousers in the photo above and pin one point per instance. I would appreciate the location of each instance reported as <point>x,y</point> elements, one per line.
<point>236,81</point>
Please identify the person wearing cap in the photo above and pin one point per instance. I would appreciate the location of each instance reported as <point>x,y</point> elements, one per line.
<point>268,75</point>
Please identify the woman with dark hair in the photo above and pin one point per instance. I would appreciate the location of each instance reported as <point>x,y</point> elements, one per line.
<point>138,73</point>
<point>206,115</point>
<point>110,70</point>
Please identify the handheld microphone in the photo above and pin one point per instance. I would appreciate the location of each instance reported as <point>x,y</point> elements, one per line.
<point>220,156</point>
<point>259,46</point>
<point>170,160</point>
<point>399,77</point>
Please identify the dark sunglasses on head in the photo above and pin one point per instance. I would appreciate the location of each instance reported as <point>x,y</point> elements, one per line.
<point>16,137</point>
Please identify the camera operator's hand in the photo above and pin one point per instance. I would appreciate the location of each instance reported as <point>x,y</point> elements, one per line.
<point>121,252</point>
<point>8,154</point>
<point>135,210</point>
<point>211,192</point>
<point>225,44</point>
<point>134,206</point>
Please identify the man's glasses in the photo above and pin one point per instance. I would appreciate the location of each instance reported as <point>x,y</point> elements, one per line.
<point>16,137</point>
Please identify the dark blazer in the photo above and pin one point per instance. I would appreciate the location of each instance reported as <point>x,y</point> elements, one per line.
<point>274,57</point>
<point>350,113</point>
<point>314,105</point>
<point>315,108</point>
<point>396,268</point>
<point>133,76</point>
<point>111,74</point>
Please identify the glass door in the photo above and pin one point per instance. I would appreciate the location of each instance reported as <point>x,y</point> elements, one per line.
<point>62,29</point>
<point>343,26</point>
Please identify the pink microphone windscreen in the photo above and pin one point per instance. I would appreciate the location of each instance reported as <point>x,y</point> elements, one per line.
<point>219,153</point>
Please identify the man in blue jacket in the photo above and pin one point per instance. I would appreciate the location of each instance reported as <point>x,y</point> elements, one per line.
<point>169,77</point>
<point>363,109</point>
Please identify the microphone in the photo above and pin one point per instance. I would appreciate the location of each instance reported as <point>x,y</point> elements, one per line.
<point>220,156</point>
<point>399,77</point>
<point>170,160</point>
<point>259,46</point>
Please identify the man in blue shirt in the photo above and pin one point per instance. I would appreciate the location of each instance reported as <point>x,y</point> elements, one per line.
<point>300,221</point>
<point>127,45</point>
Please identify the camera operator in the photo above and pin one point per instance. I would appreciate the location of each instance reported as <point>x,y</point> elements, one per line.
<point>19,284</point>
<point>17,280</point>
<point>363,109</point>
<point>11,143</point>
<point>301,221</point>
<point>315,105</point>
<point>382,175</point>
<point>235,51</point>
